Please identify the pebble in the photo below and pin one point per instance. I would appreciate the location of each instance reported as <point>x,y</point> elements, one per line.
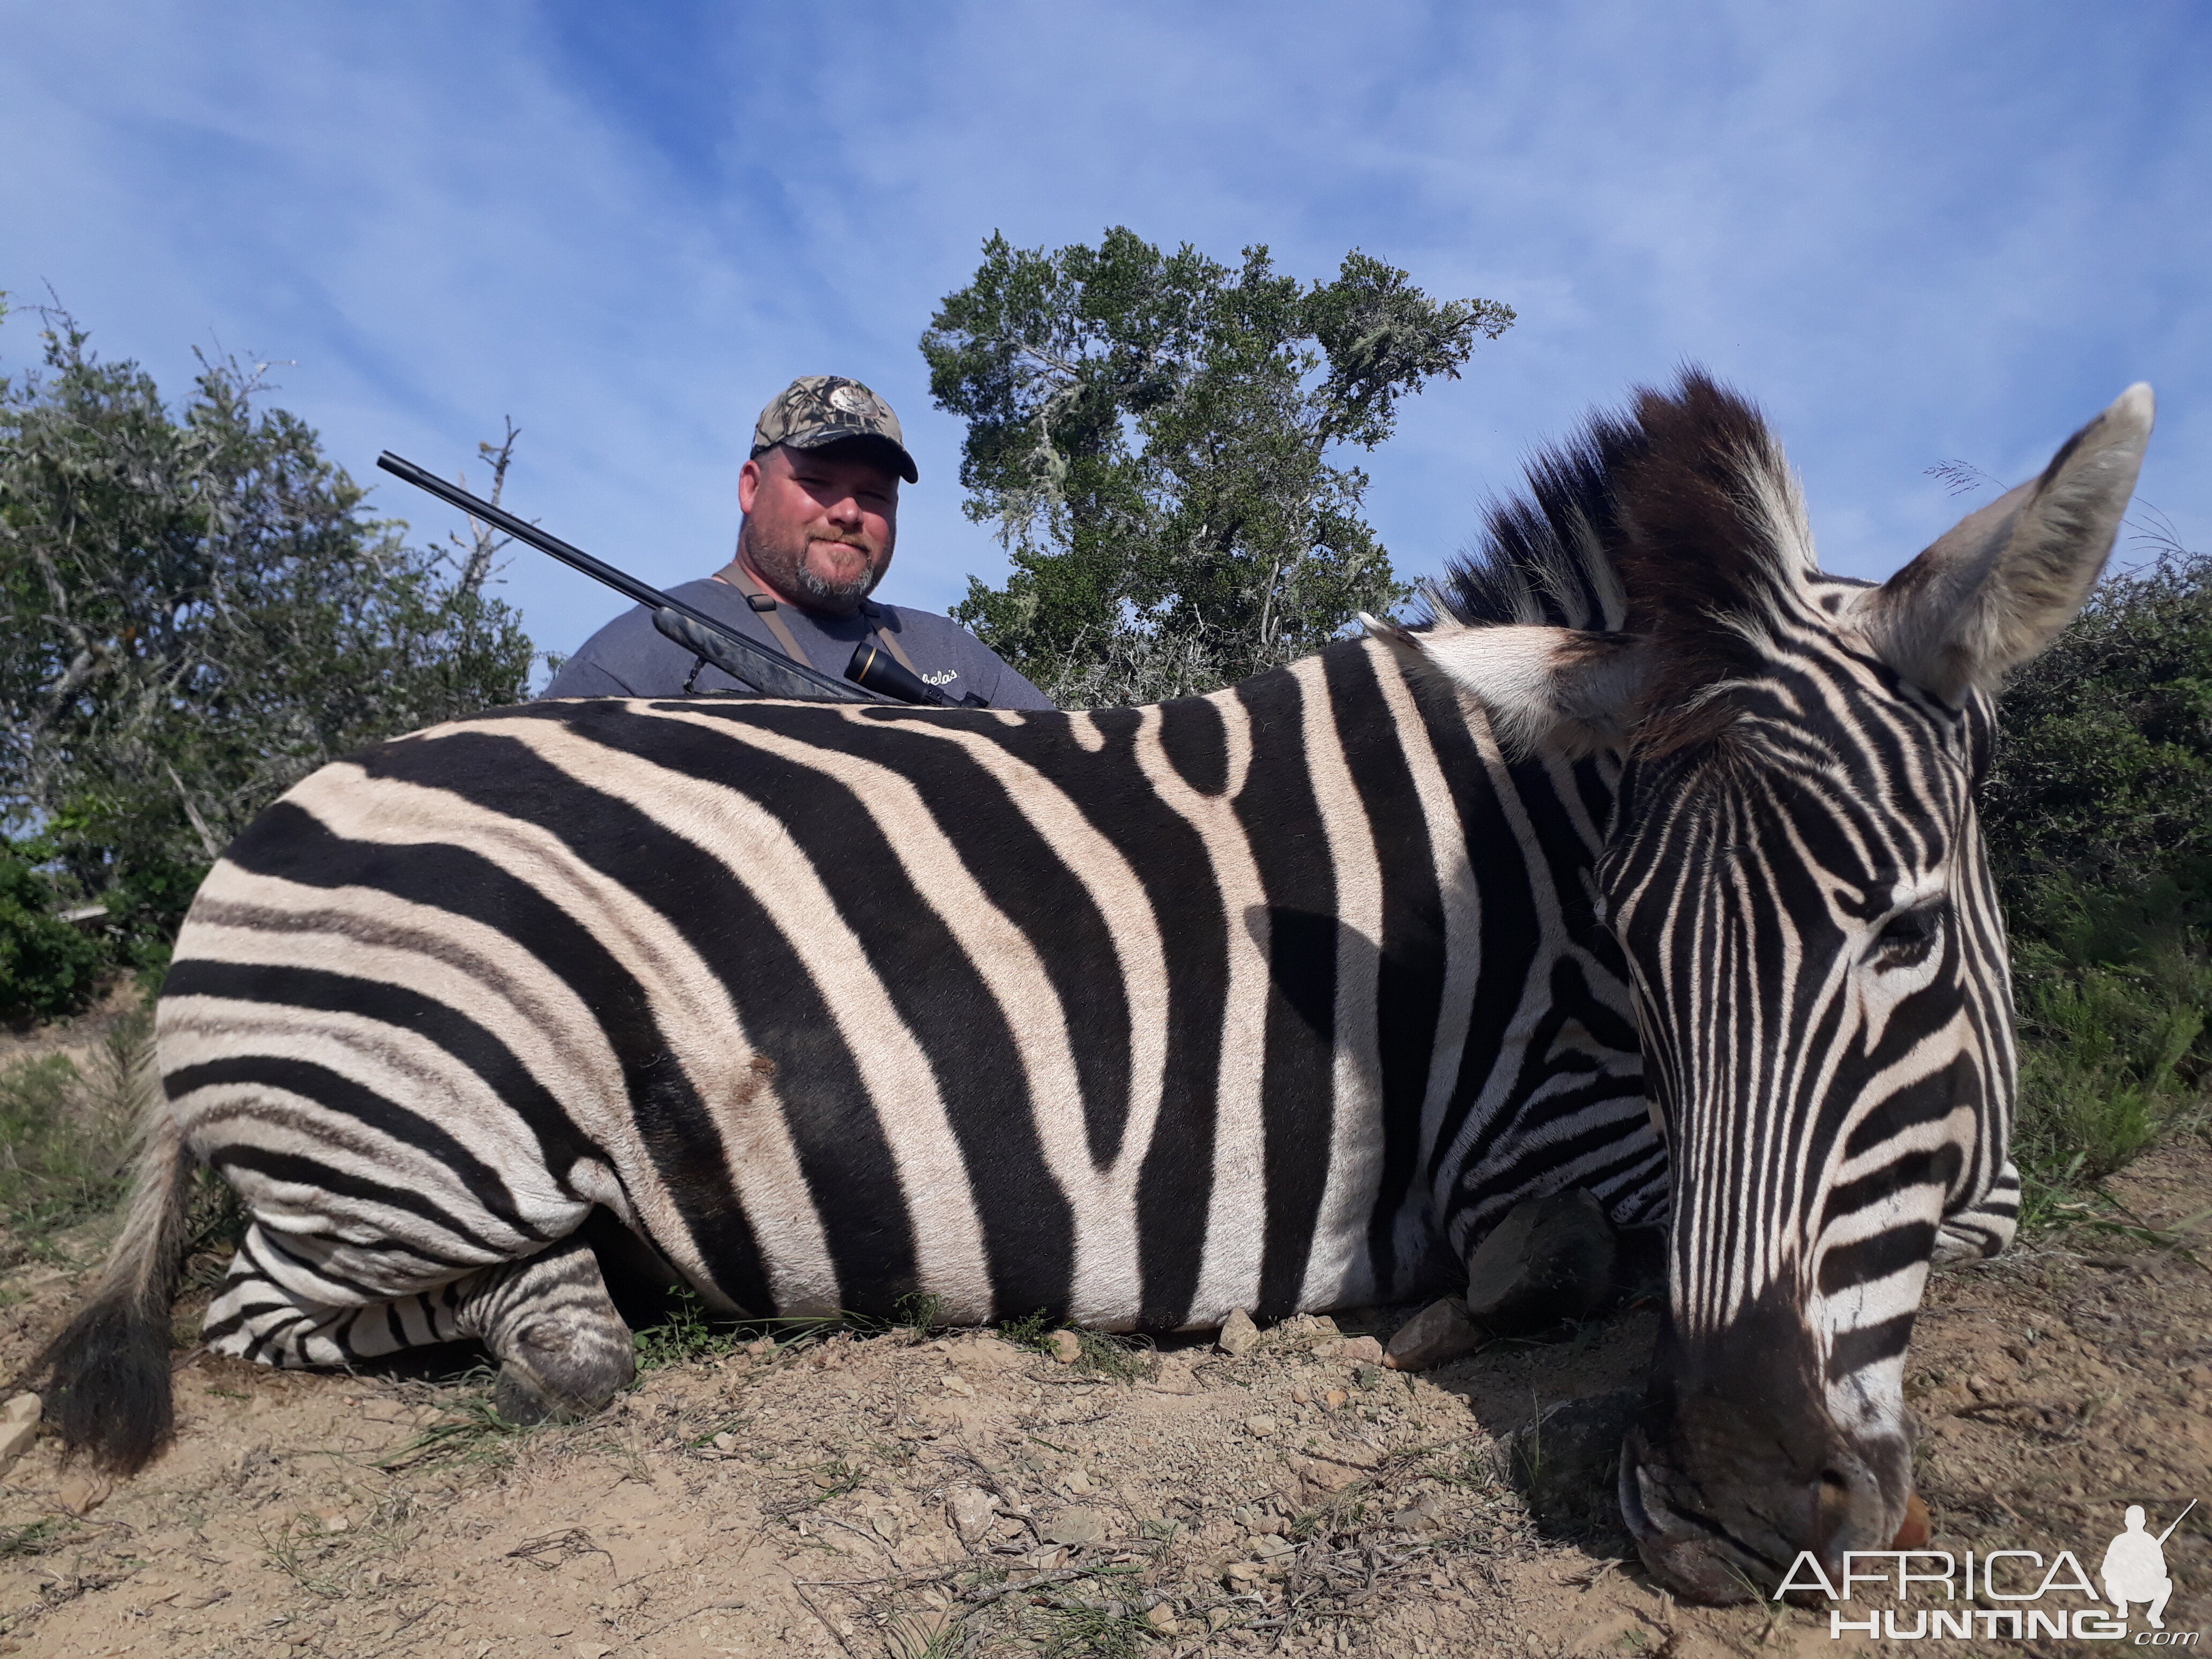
<point>1239,1335</point>
<point>1440,1332</point>
<point>1065,1346</point>
<point>82,1493</point>
<point>1263,1426</point>
<point>19,1427</point>
<point>1161,1617</point>
<point>1076,1528</point>
<point>970,1510</point>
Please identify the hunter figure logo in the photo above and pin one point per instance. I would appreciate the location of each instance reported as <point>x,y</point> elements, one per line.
<point>2135,1567</point>
<point>2133,1570</point>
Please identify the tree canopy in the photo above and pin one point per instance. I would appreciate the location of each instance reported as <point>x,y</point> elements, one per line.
<point>1151,434</point>
<point>196,611</point>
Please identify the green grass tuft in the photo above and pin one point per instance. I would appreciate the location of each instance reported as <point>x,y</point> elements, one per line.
<point>689,1332</point>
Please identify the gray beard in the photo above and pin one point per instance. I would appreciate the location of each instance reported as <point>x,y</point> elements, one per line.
<point>837,592</point>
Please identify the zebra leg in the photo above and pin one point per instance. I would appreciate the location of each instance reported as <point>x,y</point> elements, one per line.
<point>563,1350</point>
<point>1984,1229</point>
<point>277,1307</point>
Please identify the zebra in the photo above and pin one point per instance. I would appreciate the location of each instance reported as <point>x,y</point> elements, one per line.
<point>1646,868</point>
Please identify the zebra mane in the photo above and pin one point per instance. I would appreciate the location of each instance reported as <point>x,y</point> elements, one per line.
<point>1678,519</point>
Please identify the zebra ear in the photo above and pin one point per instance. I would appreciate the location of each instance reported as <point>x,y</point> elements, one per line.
<point>1996,588</point>
<point>1541,686</point>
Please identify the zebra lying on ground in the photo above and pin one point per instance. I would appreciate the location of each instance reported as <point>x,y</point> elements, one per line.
<point>1650,869</point>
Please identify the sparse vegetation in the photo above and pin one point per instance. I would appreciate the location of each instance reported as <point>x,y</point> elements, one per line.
<point>65,1135</point>
<point>687,1332</point>
<point>2099,812</point>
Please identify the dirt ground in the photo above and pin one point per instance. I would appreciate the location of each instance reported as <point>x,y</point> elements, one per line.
<point>906,1494</point>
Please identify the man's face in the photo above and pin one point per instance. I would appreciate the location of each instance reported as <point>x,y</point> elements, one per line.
<point>820,523</point>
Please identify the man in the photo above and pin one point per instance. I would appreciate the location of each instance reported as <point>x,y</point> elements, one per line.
<point>2135,1568</point>
<point>820,500</point>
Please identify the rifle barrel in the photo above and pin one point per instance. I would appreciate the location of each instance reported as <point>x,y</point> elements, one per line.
<point>768,671</point>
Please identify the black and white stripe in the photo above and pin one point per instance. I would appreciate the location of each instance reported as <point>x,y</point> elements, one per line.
<point>1271,1000</point>
<point>1657,843</point>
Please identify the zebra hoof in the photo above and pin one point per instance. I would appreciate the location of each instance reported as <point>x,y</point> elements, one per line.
<point>1550,1259</point>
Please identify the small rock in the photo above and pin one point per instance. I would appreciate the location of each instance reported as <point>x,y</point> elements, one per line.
<point>19,1427</point>
<point>82,1493</point>
<point>1065,1346</point>
<point>986,1353</point>
<point>1263,1426</point>
<point>1239,1335</point>
<point>888,1526</point>
<point>1302,1397</point>
<point>334,1521</point>
<point>970,1510</point>
<point>1335,1399</point>
<point>1243,1572</point>
<point>1550,1259</point>
<point>725,1443</point>
<point>762,1347</point>
<point>1440,1332</point>
<point>1912,1531</point>
<point>1365,1350</point>
<point>1161,1617</point>
<point>1080,1483</point>
<point>1268,1546</point>
<point>1422,1517</point>
<point>1322,1474</point>
<point>957,1384</point>
<point>1076,1528</point>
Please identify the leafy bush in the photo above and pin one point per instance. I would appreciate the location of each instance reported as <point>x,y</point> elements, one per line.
<point>2103,768</point>
<point>48,966</point>
<point>196,611</point>
<point>2099,811</point>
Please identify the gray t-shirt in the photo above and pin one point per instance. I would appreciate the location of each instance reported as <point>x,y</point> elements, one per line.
<point>631,657</point>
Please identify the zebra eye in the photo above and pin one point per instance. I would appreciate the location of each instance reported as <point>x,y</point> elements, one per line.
<point>1906,938</point>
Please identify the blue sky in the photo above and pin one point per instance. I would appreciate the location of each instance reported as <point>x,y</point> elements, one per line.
<point>1913,231</point>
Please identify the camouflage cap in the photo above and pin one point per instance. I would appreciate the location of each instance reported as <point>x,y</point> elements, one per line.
<point>816,410</point>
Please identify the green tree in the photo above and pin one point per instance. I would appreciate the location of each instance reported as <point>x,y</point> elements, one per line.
<point>196,611</point>
<point>1150,433</point>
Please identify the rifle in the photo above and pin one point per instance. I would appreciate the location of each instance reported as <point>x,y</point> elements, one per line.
<point>760,667</point>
